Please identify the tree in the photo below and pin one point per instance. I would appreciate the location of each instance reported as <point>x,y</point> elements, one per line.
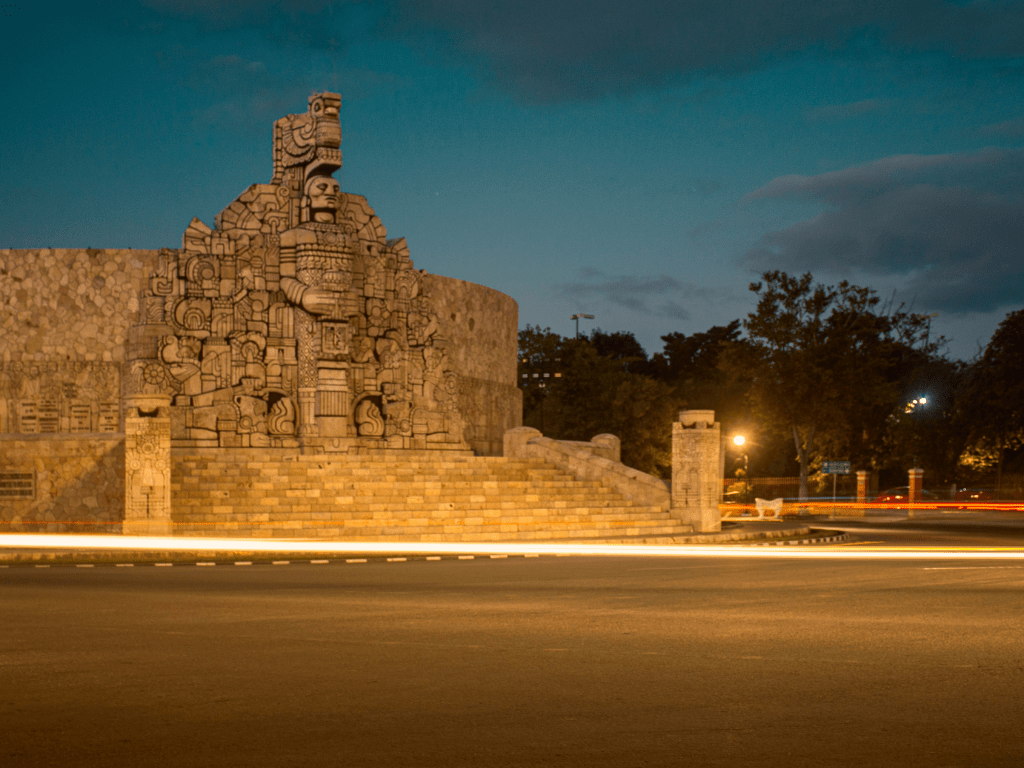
<point>819,359</point>
<point>590,389</point>
<point>595,395</point>
<point>621,346</point>
<point>996,390</point>
<point>540,352</point>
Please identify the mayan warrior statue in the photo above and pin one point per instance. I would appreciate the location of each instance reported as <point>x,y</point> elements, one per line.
<point>295,321</point>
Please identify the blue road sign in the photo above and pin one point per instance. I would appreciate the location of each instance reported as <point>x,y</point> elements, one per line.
<point>835,467</point>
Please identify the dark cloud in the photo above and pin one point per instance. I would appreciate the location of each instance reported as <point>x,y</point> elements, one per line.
<point>556,50</point>
<point>659,295</point>
<point>951,225</point>
<point>551,50</point>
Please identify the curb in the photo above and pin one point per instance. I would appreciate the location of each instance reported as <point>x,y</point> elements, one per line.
<point>833,539</point>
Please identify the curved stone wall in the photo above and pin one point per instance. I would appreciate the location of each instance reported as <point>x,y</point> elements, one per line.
<point>479,328</point>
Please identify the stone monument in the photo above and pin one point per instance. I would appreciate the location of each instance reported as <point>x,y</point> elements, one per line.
<point>294,325</point>
<point>295,321</point>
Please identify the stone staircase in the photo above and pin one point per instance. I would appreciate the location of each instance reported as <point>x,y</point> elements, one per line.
<point>398,495</point>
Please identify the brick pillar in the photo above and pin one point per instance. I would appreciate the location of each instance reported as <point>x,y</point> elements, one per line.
<point>696,483</point>
<point>916,484</point>
<point>147,465</point>
<point>862,486</point>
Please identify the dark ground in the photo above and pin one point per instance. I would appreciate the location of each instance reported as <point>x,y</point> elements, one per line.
<point>574,661</point>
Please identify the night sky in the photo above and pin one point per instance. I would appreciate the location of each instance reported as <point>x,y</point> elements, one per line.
<point>640,161</point>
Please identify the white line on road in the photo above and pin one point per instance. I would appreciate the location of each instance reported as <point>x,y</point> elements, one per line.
<point>205,563</point>
<point>356,560</point>
<point>974,568</point>
<point>397,559</point>
<point>243,562</point>
<point>319,562</point>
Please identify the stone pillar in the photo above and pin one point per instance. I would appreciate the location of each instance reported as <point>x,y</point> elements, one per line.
<point>916,484</point>
<point>862,486</point>
<point>147,465</point>
<point>696,484</point>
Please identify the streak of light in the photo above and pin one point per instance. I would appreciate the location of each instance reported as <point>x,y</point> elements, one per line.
<point>57,541</point>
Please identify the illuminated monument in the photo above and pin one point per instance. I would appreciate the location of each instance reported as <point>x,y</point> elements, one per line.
<point>288,372</point>
<point>296,322</point>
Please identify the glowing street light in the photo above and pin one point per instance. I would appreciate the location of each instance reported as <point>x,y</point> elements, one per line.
<point>739,440</point>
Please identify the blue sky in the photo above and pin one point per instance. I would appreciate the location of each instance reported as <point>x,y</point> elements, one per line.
<point>641,162</point>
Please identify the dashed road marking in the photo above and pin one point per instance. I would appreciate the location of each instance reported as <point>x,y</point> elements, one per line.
<point>356,560</point>
<point>281,562</point>
<point>319,562</point>
<point>434,557</point>
<point>125,565</point>
<point>205,563</point>
<point>243,562</point>
<point>163,565</point>
<point>83,565</point>
<point>498,557</point>
<point>467,557</point>
<point>397,559</point>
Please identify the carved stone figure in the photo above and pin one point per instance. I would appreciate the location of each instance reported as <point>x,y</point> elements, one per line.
<point>294,320</point>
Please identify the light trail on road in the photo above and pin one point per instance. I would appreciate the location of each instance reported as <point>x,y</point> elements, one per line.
<point>78,542</point>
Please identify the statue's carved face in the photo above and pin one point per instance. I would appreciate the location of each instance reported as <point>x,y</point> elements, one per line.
<point>324,193</point>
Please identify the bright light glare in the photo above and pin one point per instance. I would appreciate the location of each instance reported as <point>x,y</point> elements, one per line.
<point>165,544</point>
<point>922,400</point>
<point>739,439</point>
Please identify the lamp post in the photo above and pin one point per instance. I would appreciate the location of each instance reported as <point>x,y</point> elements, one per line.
<point>740,440</point>
<point>928,330</point>
<point>577,319</point>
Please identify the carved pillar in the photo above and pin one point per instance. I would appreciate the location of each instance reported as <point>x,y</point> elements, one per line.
<point>147,466</point>
<point>305,331</point>
<point>696,441</point>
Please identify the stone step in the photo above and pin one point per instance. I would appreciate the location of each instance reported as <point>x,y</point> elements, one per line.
<point>459,533</point>
<point>598,516</point>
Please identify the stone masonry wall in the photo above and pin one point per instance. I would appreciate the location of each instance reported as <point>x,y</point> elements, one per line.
<point>62,484</point>
<point>69,303</point>
<point>479,327</point>
<point>64,318</point>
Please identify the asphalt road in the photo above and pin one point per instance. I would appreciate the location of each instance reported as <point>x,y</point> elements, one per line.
<point>572,661</point>
<point>932,529</point>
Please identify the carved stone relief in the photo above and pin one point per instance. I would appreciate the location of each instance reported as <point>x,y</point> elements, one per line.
<point>59,397</point>
<point>294,320</point>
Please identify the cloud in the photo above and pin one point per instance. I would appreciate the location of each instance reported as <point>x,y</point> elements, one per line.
<point>1012,129</point>
<point>558,50</point>
<point>553,50</point>
<point>845,111</point>
<point>659,295</point>
<point>950,225</point>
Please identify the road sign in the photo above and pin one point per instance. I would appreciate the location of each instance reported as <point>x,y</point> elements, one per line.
<point>835,467</point>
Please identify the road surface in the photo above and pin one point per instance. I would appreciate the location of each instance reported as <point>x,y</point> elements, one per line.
<point>550,661</point>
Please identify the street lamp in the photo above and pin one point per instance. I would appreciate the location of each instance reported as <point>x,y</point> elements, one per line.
<point>739,440</point>
<point>577,319</point>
